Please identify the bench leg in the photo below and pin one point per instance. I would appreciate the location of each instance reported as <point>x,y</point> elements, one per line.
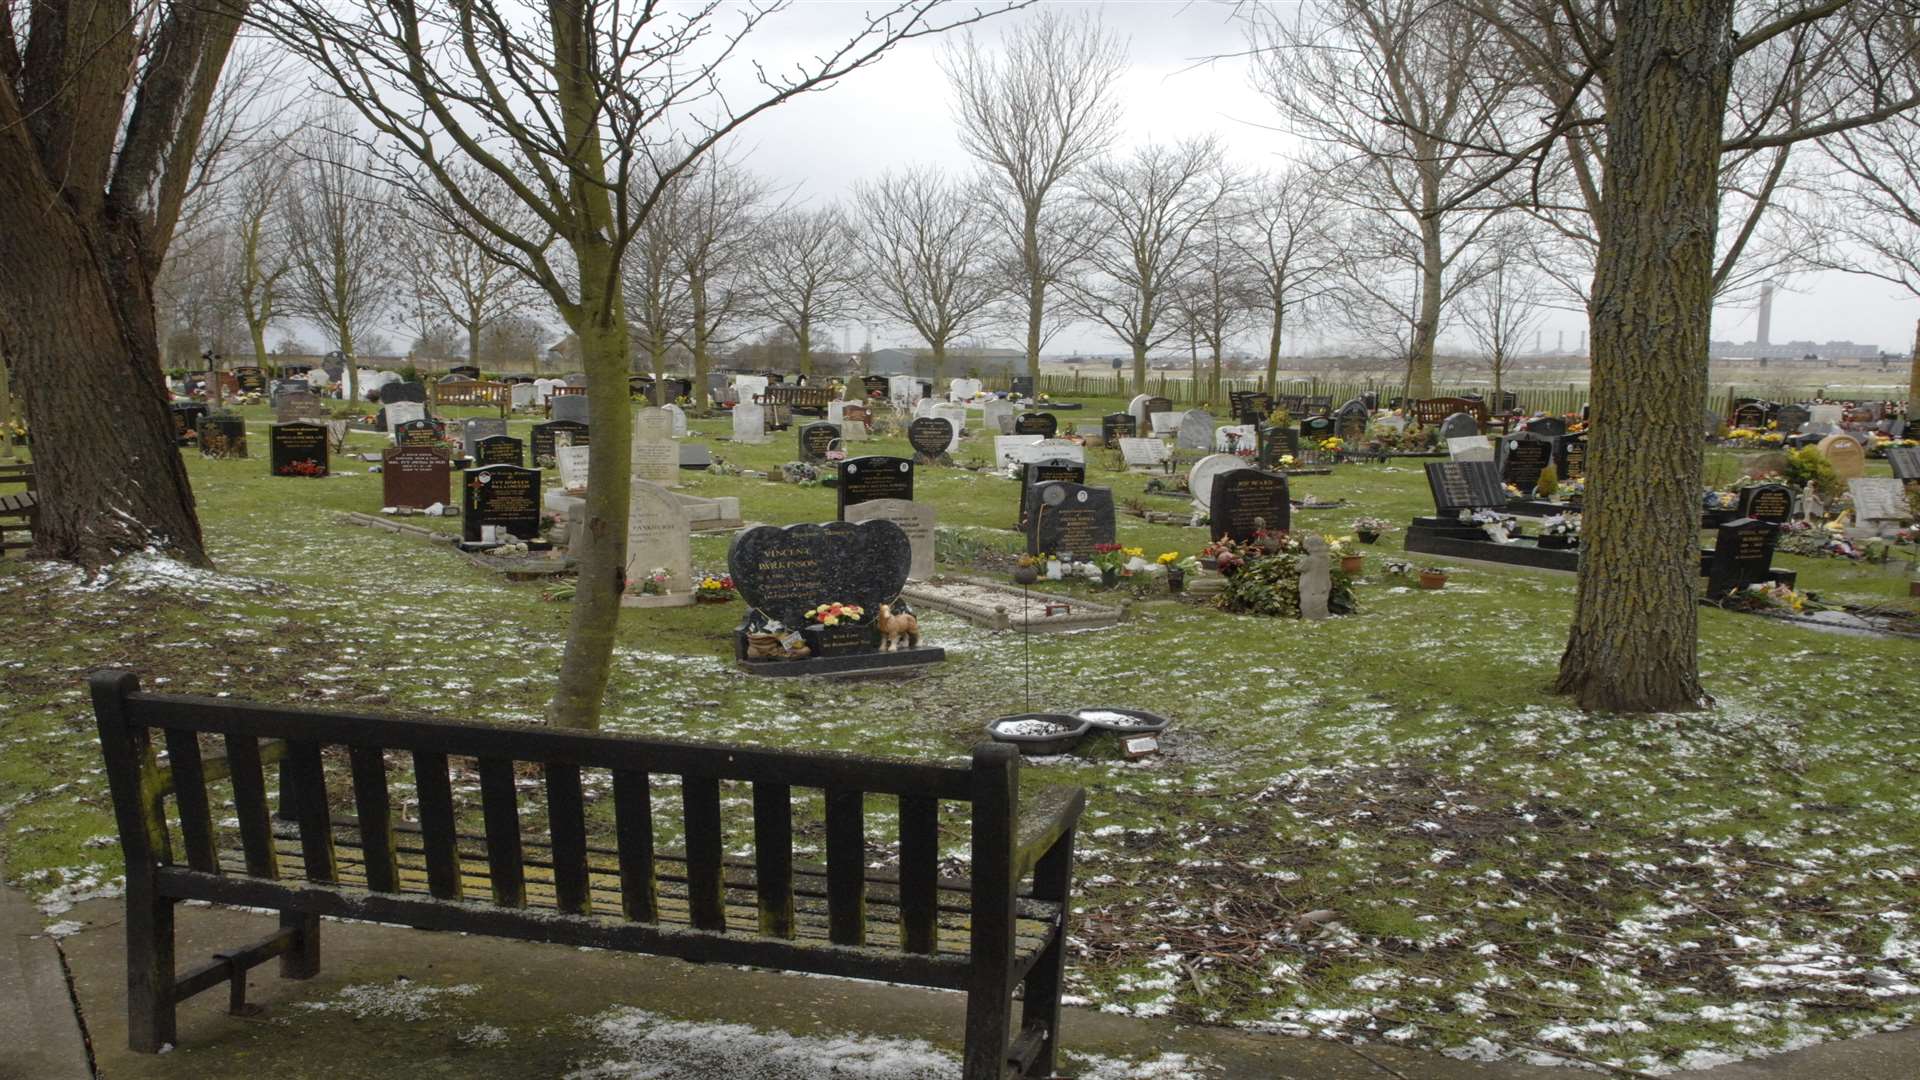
<point>150,1004</point>
<point>989,1022</point>
<point>302,958</point>
<point>1052,880</point>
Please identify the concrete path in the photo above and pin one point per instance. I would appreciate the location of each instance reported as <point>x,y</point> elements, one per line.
<point>395,1002</point>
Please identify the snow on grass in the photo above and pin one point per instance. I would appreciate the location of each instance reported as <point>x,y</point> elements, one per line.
<point>401,999</point>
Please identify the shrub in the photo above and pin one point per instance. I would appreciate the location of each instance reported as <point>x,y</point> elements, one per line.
<point>1807,466</point>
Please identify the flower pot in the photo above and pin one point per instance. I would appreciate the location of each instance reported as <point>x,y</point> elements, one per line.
<point>1351,564</point>
<point>1176,579</point>
<point>1913,588</point>
<point>1026,575</point>
<point>1431,580</point>
<point>1039,733</point>
<point>1367,536</point>
<point>1109,578</point>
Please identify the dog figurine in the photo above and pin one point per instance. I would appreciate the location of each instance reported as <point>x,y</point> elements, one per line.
<point>896,628</point>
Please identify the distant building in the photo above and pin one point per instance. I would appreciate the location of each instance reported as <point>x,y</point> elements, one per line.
<point>1793,351</point>
<point>960,362</point>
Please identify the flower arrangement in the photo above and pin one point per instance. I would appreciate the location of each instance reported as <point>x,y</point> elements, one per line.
<point>1513,491</point>
<point>714,589</point>
<point>1499,527</point>
<point>1772,594</point>
<point>1285,461</point>
<point>835,613</point>
<point>654,584</point>
<point>1337,545</point>
<point>15,429</point>
<point>302,468</point>
<point>1332,444</point>
<point>1561,525</point>
<point>1113,558</point>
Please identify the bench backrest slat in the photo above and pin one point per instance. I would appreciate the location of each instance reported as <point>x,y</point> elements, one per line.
<point>309,796</point>
<point>919,873</point>
<point>633,835</point>
<point>438,840</point>
<point>567,829</point>
<point>500,807</point>
<point>250,805</point>
<point>773,857</point>
<point>371,802</point>
<point>190,791</point>
<point>706,886</point>
<point>846,866</point>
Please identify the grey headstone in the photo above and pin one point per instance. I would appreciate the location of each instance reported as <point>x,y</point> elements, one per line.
<point>570,407</point>
<point>916,519</point>
<point>1196,430</point>
<point>1316,579</point>
<point>1459,426</point>
<point>658,538</point>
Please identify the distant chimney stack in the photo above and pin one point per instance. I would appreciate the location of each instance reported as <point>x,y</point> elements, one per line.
<point>1766,315</point>
<point>1560,345</point>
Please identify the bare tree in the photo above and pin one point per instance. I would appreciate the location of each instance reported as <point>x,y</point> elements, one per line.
<point>448,275</point>
<point>802,273</point>
<point>715,230</point>
<point>1144,211</point>
<point>1034,114</point>
<point>261,259</point>
<point>588,113</point>
<point>925,256</point>
<point>656,292</point>
<point>1338,69</point>
<point>343,236</point>
<point>1285,228</point>
<point>104,115</point>
<point>1873,218</point>
<point>1500,311</point>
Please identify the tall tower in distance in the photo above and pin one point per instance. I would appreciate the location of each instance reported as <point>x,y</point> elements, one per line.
<point>1766,315</point>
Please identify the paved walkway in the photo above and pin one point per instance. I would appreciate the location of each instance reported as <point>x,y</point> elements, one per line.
<point>392,1002</point>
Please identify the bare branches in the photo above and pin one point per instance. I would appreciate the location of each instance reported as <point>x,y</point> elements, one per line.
<point>802,273</point>
<point>925,254</point>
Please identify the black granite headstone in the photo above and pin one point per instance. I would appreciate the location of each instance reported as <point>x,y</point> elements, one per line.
<point>930,436</point>
<point>403,391</point>
<point>186,420</point>
<point>864,479</point>
<point>1023,385</point>
<point>1350,423</point>
<point>1240,497</point>
<point>1036,423</point>
<point>1458,426</point>
<point>785,572</point>
<point>1048,471</point>
<point>1155,405</point>
<point>1790,417</point>
<point>1742,554</point>
<point>695,455</point>
<point>1068,520</point>
<point>1523,457</point>
<point>816,439</point>
<point>250,379</point>
<point>1276,442</point>
<point>1117,426</point>
<point>499,450</point>
<point>464,371</point>
<point>1464,485</point>
<point>417,433</point>
<point>1772,503</point>
<point>223,437</point>
<point>506,496</point>
<point>874,384</point>
<point>1752,414</point>
<point>297,448</point>
<point>543,437</point>
<point>1570,457</point>
<point>1315,428</point>
<point>1551,426</point>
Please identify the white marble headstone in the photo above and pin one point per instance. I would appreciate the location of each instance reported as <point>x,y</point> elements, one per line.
<point>523,395</point>
<point>657,539</point>
<point>1143,453</point>
<point>1879,499</point>
<point>1165,423</point>
<point>1200,477</point>
<point>1057,450</point>
<point>404,412</point>
<point>572,463</point>
<point>655,457</point>
<point>1196,430</point>
<point>1230,437</point>
<point>1137,408</point>
<point>749,423</point>
<point>1009,448</point>
<point>749,387</point>
<point>1470,448</point>
<point>679,417</point>
<point>963,389</point>
<point>903,390</point>
<point>997,416</point>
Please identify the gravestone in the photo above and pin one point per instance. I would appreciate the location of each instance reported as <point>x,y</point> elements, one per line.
<point>657,540</point>
<point>679,418</point>
<point>997,417</point>
<point>873,477</point>
<point>1056,448</point>
<point>1163,424</point>
<point>1828,416</point>
<point>1459,426</point>
<point>297,448</point>
<point>299,405</point>
<point>1314,429</point>
<point>655,458</point>
<point>1905,461</point>
<point>506,497</point>
<point>1048,471</point>
<point>572,407</point>
<point>1277,442</point>
<point>695,455</point>
<point>1068,520</point>
<point>414,477</point>
<point>1241,497</point>
<point>1772,503</point>
<point>1137,408</point>
<point>1157,404</point>
<point>1470,448</point>
<point>250,379</point>
<point>1254,408</point>
<point>1350,423</point>
<point>1742,553</point>
<point>816,439</point>
<point>1570,457</point>
<point>522,395</point>
<point>1143,453</point>
<point>1791,418</point>
<point>1196,431</point>
<point>472,431</point>
<point>749,423</point>
<point>1316,579</point>
<point>749,387</point>
<point>1879,502</point>
<point>186,419</point>
<point>221,437</point>
<point>1200,476</point>
<point>1464,485</point>
<point>1550,426</point>
<point>1752,414</point>
<point>963,389</point>
<point>1036,423</point>
<point>1234,438</point>
<point>874,385</point>
<point>955,415</point>
<point>785,572</point>
<point>1845,454</point>
<point>917,520</point>
<point>1523,457</point>
<point>543,436</point>
<point>498,450</point>
<point>403,391</point>
<point>401,412</point>
<point>1023,385</point>
<point>903,390</point>
<point>417,433</point>
<point>854,420</point>
<point>1117,426</point>
<point>464,371</point>
<point>1008,448</point>
<point>572,464</point>
<point>931,437</point>
<point>1711,423</point>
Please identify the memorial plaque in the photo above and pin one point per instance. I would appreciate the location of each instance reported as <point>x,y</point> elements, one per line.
<point>1523,457</point>
<point>917,520</point>
<point>1010,448</point>
<point>1068,520</point>
<point>816,439</point>
<point>785,572</point>
<point>504,496</point>
<point>1772,503</point>
<point>1879,499</point>
<point>930,436</point>
<point>875,477</point>
<point>1905,461</point>
<point>1143,453</point>
<point>417,433</point>
<point>414,477</point>
<point>1464,485</point>
<point>297,448</point>
<point>1117,426</point>
<point>299,405</point>
<point>1244,497</point>
<point>543,437</point>
<point>1742,554</point>
<point>1036,423</point>
<point>499,450</point>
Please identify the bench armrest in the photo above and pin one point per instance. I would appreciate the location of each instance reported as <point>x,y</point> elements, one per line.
<point>1046,814</point>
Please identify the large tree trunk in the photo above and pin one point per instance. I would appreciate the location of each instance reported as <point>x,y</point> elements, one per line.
<point>257,334</point>
<point>804,338</point>
<point>1139,370</point>
<point>78,324</point>
<point>1426,326</point>
<point>1036,294</point>
<point>1633,645</point>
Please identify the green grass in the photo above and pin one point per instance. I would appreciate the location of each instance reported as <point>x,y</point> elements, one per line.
<point>1648,890</point>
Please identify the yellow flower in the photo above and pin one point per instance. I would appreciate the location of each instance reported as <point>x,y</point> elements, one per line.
<point>1168,557</point>
<point>1133,552</point>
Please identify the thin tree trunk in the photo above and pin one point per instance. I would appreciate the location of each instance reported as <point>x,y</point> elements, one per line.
<point>78,326</point>
<point>1426,327</point>
<point>1634,641</point>
<point>805,340</point>
<point>939,360</point>
<point>6,412</point>
<point>1913,381</point>
<point>1273,350</point>
<point>697,292</point>
<point>344,333</point>
<point>1139,368</point>
<point>213,375</point>
<point>1213,377</point>
<point>1036,294</point>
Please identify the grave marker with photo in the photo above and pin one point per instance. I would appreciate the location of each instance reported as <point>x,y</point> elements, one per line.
<point>874,477</point>
<point>1036,423</point>
<point>502,497</point>
<point>1523,457</point>
<point>544,437</point>
<point>1068,520</point>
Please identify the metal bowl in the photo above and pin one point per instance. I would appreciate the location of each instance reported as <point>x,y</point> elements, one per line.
<point>1073,729</point>
<point>1142,721</point>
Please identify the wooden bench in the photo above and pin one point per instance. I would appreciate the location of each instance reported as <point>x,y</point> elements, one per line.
<point>1431,412</point>
<point>805,400</point>
<point>477,395</point>
<point>563,391</point>
<point>19,509</point>
<point>567,885</point>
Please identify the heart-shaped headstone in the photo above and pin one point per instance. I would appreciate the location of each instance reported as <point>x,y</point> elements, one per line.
<point>784,572</point>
